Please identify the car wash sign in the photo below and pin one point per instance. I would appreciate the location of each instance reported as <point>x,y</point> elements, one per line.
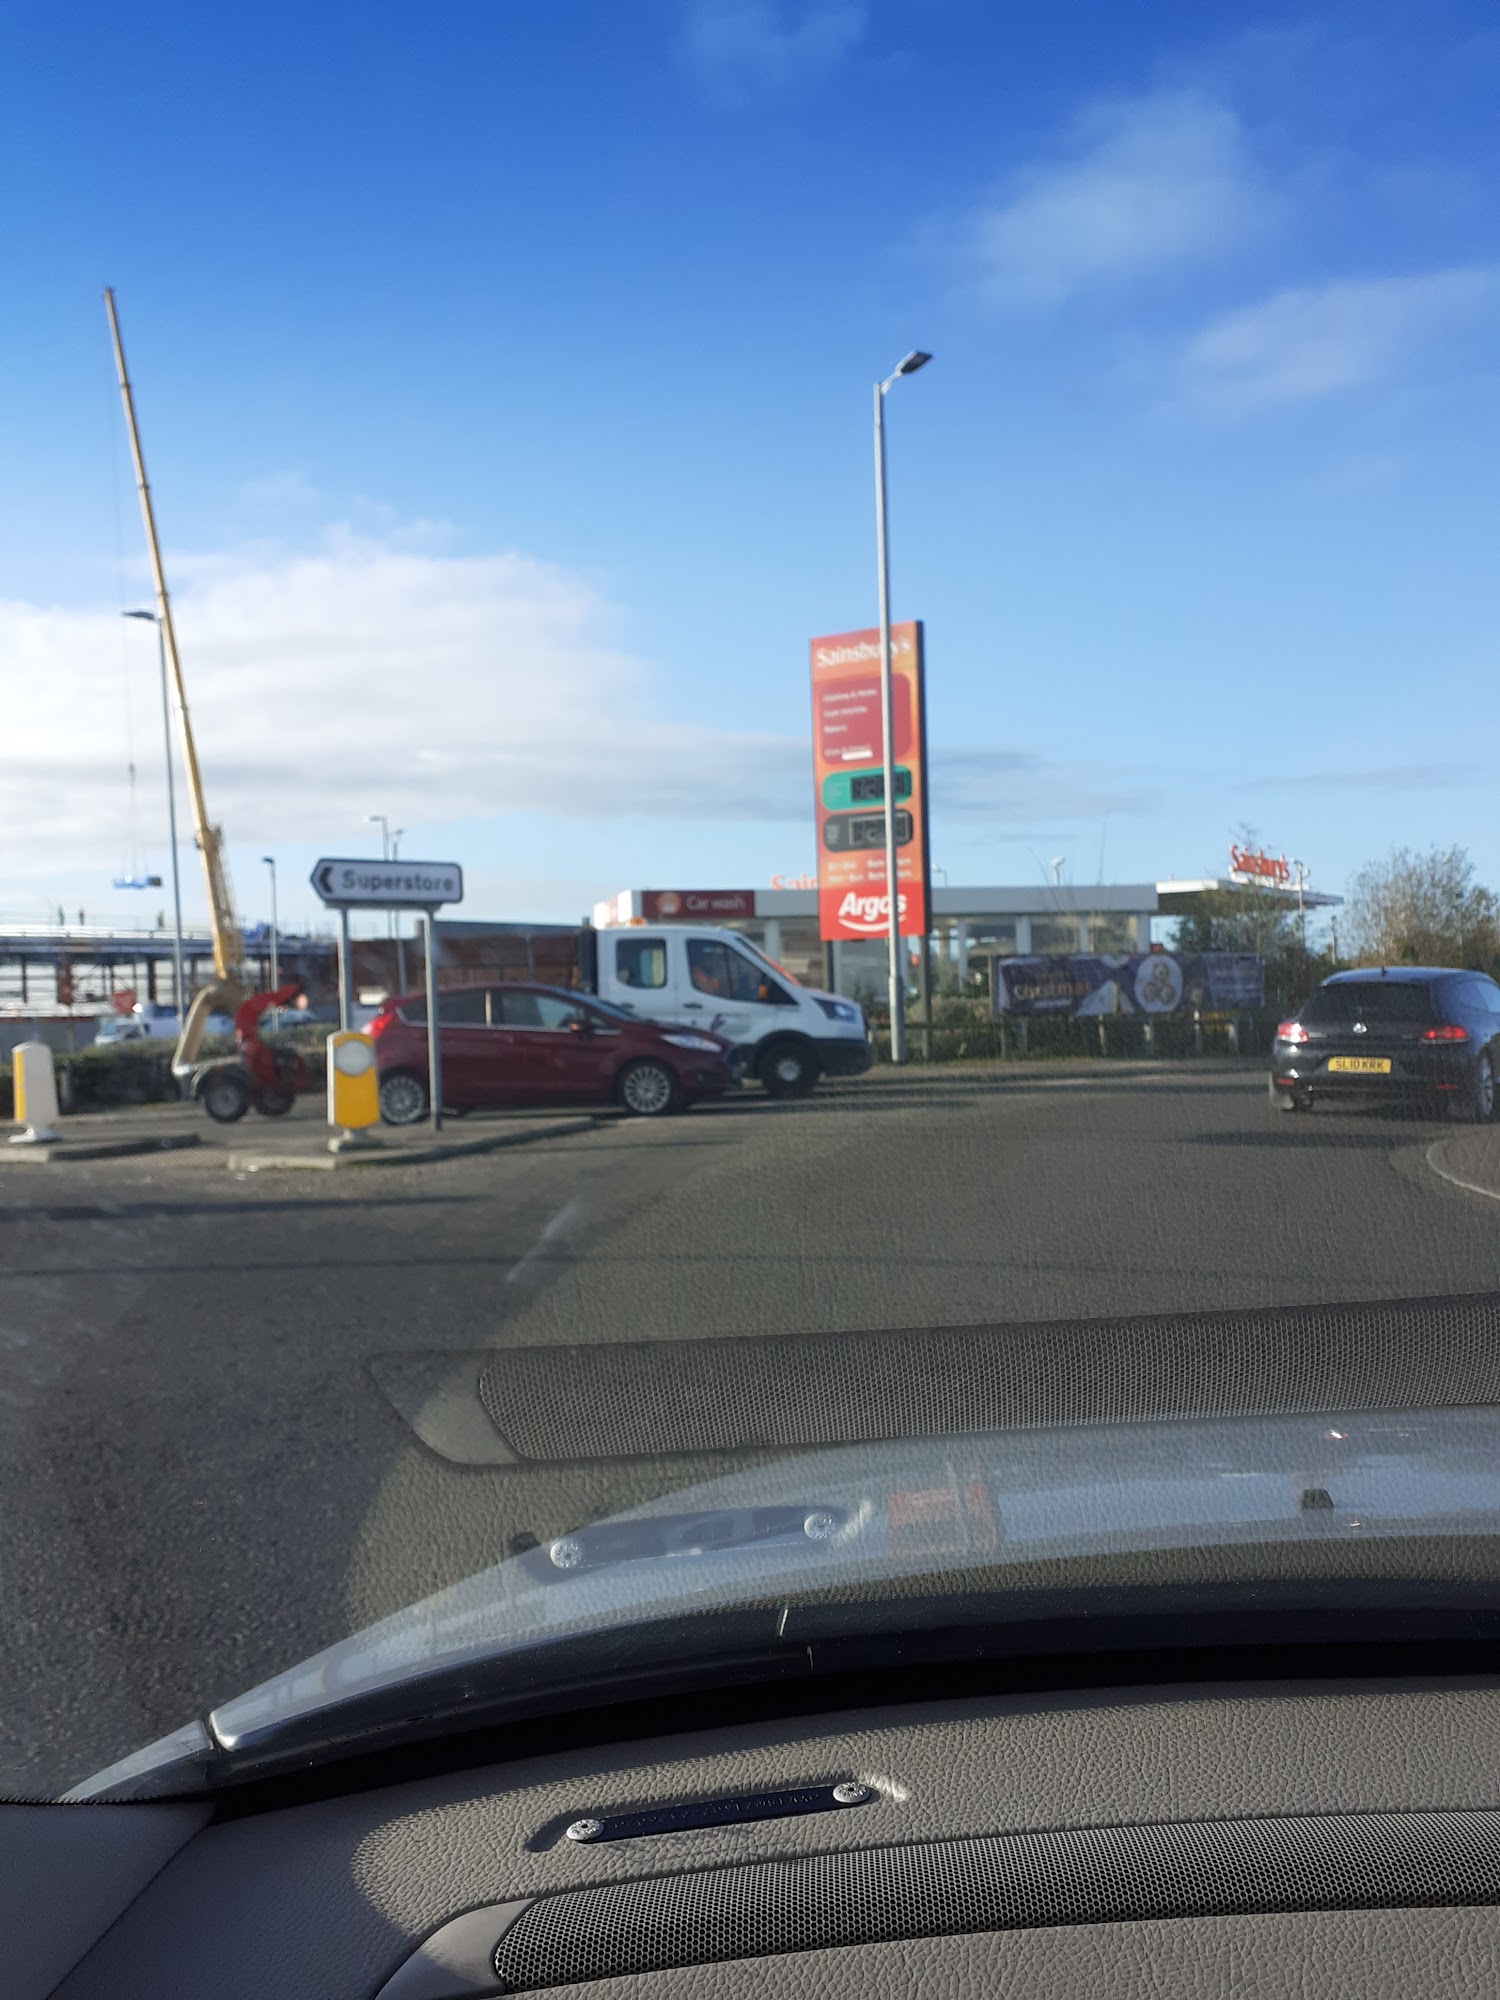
<point>849,802</point>
<point>1153,982</point>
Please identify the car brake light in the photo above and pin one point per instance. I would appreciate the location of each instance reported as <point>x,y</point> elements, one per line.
<point>1292,1031</point>
<point>1446,1033</point>
<point>380,1023</point>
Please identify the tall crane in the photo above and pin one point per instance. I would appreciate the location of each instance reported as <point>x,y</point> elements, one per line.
<point>230,988</point>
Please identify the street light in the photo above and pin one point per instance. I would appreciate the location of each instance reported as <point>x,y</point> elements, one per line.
<point>396,916</point>
<point>908,365</point>
<point>150,618</point>
<point>270,861</point>
<point>388,845</point>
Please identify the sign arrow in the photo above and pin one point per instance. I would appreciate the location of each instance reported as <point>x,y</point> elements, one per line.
<point>387,885</point>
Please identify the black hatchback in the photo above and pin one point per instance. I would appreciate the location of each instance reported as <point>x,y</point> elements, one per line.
<point>1411,1033</point>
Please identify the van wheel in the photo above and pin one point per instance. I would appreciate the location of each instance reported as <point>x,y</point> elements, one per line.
<point>788,1070</point>
<point>647,1089</point>
<point>403,1098</point>
<point>226,1095</point>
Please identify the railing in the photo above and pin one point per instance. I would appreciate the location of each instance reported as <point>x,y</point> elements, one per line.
<point>979,1037</point>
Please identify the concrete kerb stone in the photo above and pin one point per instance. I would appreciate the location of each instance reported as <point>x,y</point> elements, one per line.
<point>369,1159</point>
<point>57,1152</point>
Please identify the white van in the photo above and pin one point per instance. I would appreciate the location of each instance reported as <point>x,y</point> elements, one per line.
<point>785,1034</point>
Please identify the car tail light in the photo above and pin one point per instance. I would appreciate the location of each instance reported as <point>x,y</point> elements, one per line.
<point>1292,1031</point>
<point>1446,1033</point>
<point>381,1022</point>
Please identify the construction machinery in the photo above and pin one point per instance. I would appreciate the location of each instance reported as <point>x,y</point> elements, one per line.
<point>259,1075</point>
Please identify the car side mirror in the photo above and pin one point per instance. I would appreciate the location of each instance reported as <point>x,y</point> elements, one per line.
<point>580,1025</point>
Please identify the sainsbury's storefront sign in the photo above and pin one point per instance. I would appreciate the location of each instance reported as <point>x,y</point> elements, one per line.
<point>1251,865</point>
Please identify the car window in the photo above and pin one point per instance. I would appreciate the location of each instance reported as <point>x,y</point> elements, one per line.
<point>727,974</point>
<point>557,1014</point>
<point>514,1007</point>
<point>749,981</point>
<point>534,636</point>
<point>641,961</point>
<point>709,968</point>
<point>520,1009</point>
<point>1386,1001</point>
<point>459,1007</point>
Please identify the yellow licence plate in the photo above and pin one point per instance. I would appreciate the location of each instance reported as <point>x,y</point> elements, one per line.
<point>1360,1065</point>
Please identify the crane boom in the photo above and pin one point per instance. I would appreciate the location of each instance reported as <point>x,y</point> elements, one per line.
<point>228,942</point>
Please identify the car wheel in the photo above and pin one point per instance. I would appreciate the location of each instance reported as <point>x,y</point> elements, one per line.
<point>787,1070</point>
<point>1475,1104</point>
<point>1288,1100</point>
<point>403,1098</point>
<point>226,1095</point>
<point>647,1089</point>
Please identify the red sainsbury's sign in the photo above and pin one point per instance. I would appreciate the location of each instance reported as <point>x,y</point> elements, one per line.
<point>1250,864</point>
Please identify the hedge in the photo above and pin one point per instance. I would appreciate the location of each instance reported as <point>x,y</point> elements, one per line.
<point>101,1079</point>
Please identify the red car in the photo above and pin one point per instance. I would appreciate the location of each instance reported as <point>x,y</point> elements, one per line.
<point>521,1045</point>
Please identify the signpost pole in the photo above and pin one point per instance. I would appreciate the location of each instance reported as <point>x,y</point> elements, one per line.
<point>346,1006</point>
<point>434,1047</point>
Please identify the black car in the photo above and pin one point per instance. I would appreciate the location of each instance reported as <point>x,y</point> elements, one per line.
<point>1413,1033</point>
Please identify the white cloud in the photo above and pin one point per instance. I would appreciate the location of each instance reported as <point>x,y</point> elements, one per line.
<point>744,47</point>
<point>1321,340</point>
<point>439,688</point>
<point>453,687</point>
<point>1146,184</point>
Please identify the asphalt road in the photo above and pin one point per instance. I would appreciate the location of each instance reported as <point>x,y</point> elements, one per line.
<point>205,1475</point>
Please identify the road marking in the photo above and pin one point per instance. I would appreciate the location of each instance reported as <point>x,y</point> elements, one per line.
<point>1473,1187</point>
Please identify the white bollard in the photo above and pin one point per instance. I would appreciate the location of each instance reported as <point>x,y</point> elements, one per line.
<point>35,1086</point>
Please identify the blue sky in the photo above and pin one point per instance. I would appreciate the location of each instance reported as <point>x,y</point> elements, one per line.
<point>505,375</point>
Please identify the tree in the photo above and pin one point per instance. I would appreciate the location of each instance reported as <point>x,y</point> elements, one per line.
<point>1422,909</point>
<point>1247,919</point>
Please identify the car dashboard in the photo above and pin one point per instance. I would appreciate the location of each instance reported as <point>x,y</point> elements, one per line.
<point>1340,1837</point>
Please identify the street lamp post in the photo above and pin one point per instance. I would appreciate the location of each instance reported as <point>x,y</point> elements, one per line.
<point>388,853</point>
<point>178,992</point>
<point>908,365</point>
<point>396,917</point>
<point>270,861</point>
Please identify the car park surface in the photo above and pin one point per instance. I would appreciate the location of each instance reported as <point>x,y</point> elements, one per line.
<point>212,1437</point>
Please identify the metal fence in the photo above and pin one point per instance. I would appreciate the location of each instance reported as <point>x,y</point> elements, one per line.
<point>978,1037</point>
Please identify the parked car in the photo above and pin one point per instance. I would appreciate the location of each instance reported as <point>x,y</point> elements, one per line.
<point>526,1044</point>
<point>117,1028</point>
<point>1393,1033</point>
<point>147,1022</point>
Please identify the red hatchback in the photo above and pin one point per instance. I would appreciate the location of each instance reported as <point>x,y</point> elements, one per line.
<point>519,1045</point>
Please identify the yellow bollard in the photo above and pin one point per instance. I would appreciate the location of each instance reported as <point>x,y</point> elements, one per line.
<point>353,1090</point>
<point>34,1083</point>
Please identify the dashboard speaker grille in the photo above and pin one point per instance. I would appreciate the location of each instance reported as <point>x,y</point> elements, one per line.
<point>632,1398</point>
<point>1005,1882</point>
